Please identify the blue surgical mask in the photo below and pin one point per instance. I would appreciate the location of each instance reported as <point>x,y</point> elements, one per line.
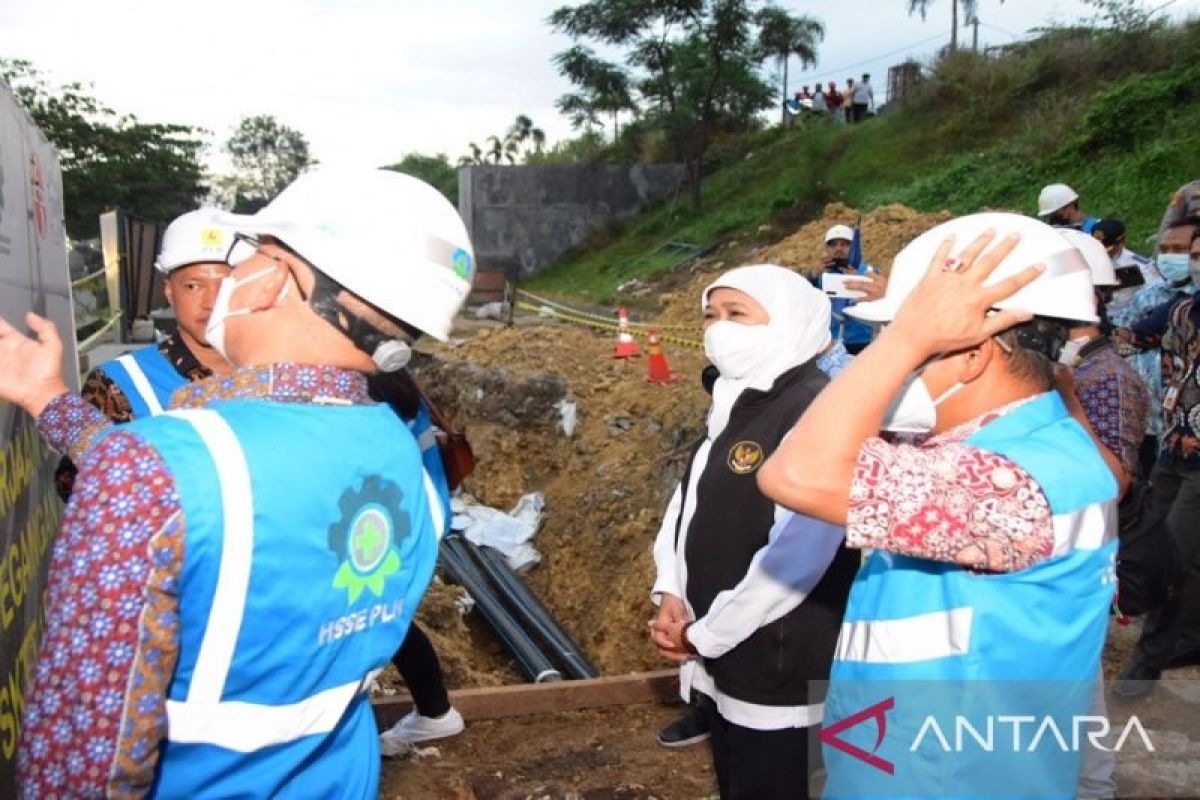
<point>1173,266</point>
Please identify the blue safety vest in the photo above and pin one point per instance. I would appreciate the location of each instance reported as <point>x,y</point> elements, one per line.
<point>423,431</point>
<point>844,327</point>
<point>146,378</point>
<point>307,549</point>
<point>924,639</point>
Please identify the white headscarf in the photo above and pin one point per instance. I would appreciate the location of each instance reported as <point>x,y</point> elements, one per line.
<point>798,321</point>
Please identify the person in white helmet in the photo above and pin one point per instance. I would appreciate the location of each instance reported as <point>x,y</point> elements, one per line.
<point>989,579</point>
<point>1058,205</point>
<point>230,575</point>
<point>1113,397</point>
<point>1109,398</point>
<point>140,383</point>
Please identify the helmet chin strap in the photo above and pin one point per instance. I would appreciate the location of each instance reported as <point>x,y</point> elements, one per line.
<point>389,353</point>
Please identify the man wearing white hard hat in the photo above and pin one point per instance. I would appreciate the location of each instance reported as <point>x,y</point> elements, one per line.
<point>1058,205</point>
<point>230,575</point>
<point>1113,396</point>
<point>865,283</point>
<point>1108,396</point>
<point>192,263</point>
<point>990,574</point>
<point>140,383</point>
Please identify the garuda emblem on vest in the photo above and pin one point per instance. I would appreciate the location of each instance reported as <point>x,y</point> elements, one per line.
<point>368,536</point>
<point>745,457</point>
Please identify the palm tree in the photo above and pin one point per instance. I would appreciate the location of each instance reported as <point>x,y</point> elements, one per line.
<point>521,131</point>
<point>781,36</point>
<point>969,7</point>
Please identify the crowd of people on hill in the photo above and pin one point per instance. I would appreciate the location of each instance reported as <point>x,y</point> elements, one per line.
<point>920,493</point>
<point>854,103</point>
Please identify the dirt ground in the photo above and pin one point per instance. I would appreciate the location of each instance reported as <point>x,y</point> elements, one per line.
<point>600,754</point>
<point>611,753</point>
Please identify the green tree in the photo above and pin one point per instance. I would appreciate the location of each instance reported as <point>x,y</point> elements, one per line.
<point>110,160</point>
<point>781,36</point>
<point>267,155</point>
<point>520,141</point>
<point>436,170</point>
<point>695,65</point>
<point>970,9</point>
<point>604,88</point>
<point>524,134</point>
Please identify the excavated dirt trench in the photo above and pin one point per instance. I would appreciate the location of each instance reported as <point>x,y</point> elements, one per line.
<point>607,485</point>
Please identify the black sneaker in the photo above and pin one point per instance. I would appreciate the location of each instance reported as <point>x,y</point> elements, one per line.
<point>691,728</point>
<point>1137,681</point>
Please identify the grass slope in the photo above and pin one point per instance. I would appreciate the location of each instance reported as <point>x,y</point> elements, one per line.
<point>1116,116</point>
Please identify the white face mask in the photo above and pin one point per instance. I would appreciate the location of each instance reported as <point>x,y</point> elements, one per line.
<point>214,332</point>
<point>914,410</point>
<point>1174,267</point>
<point>735,349</point>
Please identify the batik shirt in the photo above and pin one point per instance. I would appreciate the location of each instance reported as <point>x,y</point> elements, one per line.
<point>945,500</point>
<point>96,712</point>
<point>1115,399</point>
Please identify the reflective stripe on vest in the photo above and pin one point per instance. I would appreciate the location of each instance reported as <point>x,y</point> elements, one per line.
<point>237,551</point>
<point>923,637</point>
<point>237,725</point>
<point>247,727</point>
<point>141,383</point>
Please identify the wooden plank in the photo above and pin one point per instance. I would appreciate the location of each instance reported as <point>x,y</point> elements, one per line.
<point>528,699</point>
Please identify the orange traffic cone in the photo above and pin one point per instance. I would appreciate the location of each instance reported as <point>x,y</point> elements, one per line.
<point>659,371</point>
<point>626,346</point>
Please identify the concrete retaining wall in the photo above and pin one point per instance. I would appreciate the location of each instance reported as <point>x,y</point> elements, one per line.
<point>523,219</point>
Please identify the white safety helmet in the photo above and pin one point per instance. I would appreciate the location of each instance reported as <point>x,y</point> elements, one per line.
<point>1099,264</point>
<point>389,238</point>
<point>1063,291</point>
<point>1054,197</point>
<point>193,238</point>
<point>839,232</point>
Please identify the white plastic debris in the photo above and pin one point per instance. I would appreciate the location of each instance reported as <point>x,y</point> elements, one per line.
<point>497,310</point>
<point>509,533</point>
<point>464,603</point>
<point>567,411</point>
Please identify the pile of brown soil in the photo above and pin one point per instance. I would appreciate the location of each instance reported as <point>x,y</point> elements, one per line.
<point>605,486</point>
<point>885,231</point>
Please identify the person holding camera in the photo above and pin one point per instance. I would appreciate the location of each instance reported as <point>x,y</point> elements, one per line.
<point>866,284</point>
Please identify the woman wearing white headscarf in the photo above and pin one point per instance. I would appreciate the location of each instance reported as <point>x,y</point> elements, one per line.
<point>751,596</point>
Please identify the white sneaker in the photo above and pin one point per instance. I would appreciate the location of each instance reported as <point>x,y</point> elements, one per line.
<point>413,728</point>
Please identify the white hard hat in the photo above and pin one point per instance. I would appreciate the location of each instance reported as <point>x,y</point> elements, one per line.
<point>1099,264</point>
<point>839,232</point>
<point>1064,290</point>
<point>1054,197</point>
<point>193,238</point>
<point>389,238</point>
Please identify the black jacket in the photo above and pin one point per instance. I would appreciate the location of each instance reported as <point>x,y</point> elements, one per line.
<point>730,524</point>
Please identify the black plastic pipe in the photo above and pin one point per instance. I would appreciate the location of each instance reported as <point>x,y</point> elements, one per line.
<point>535,616</point>
<point>529,657</point>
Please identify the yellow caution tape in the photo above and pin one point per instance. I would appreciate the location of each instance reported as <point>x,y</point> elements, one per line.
<point>601,324</point>
<point>588,315</point>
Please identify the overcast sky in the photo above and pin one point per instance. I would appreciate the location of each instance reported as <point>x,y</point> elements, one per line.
<point>370,80</point>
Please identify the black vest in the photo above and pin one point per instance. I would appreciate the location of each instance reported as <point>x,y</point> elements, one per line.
<point>730,524</point>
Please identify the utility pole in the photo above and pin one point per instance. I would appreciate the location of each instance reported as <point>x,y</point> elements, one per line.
<point>975,33</point>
